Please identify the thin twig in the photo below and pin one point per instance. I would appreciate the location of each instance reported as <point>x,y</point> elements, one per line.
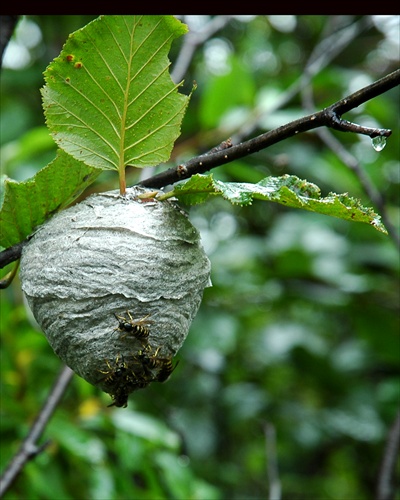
<point>29,447</point>
<point>328,117</point>
<point>385,487</point>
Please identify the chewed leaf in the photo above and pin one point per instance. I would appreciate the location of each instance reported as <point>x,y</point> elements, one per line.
<point>29,203</point>
<point>288,190</point>
<point>109,99</point>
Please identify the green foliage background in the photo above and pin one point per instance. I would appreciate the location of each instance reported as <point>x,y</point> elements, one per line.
<point>301,327</point>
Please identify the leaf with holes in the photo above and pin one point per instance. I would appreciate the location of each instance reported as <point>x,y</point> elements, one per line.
<point>287,190</point>
<point>109,99</point>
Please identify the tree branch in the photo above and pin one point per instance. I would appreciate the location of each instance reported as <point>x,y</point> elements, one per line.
<point>365,94</point>
<point>12,254</point>
<point>29,448</point>
<point>329,117</point>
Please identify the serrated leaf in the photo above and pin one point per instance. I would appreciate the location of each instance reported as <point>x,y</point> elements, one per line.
<point>109,99</point>
<point>29,203</point>
<point>288,190</point>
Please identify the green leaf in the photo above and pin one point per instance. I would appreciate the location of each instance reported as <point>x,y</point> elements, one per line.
<point>288,190</point>
<point>29,203</point>
<point>109,99</point>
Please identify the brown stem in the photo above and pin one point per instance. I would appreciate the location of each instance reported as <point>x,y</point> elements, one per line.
<point>122,182</point>
<point>12,254</point>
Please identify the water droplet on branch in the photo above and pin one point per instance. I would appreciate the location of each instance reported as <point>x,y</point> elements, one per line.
<point>378,142</point>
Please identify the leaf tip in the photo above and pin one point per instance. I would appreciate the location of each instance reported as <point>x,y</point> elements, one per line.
<point>377,224</point>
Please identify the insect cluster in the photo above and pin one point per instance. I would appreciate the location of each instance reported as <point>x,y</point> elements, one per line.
<point>136,371</point>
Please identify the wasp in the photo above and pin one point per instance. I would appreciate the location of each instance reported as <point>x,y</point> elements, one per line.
<point>123,380</point>
<point>120,397</point>
<point>153,362</point>
<point>114,373</point>
<point>136,328</point>
<point>129,384</point>
<point>146,358</point>
<point>166,369</point>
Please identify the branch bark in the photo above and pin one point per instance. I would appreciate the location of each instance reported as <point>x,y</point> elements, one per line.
<point>12,254</point>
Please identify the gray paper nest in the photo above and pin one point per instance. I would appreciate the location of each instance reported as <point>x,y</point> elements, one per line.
<point>108,255</point>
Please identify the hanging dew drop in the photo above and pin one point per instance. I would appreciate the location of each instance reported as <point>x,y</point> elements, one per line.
<point>378,142</point>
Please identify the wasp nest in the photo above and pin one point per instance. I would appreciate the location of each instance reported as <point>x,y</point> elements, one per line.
<point>115,282</point>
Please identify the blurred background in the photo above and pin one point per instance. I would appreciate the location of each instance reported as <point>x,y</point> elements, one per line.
<point>288,382</point>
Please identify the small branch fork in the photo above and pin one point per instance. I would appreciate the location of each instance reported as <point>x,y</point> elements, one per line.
<point>330,117</point>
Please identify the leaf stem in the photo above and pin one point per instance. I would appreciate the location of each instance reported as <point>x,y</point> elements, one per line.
<point>166,196</point>
<point>122,181</point>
